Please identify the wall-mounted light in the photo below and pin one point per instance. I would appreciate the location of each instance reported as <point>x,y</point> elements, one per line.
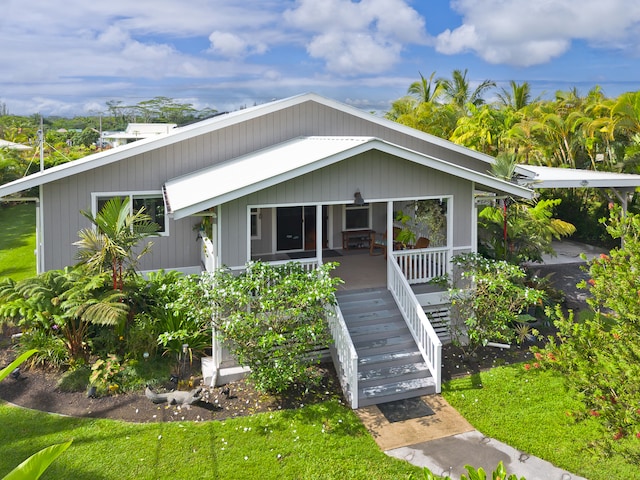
<point>357,198</point>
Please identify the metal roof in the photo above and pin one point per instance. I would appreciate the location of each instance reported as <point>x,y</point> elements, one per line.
<point>235,178</point>
<point>206,126</point>
<point>552,177</point>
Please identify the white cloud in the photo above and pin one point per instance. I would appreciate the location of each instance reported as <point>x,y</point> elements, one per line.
<point>525,32</point>
<point>357,37</point>
<point>231,45</point>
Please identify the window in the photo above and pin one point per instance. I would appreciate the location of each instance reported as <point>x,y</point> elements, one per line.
<point>256,224</point>
<point>153,204</point>
<point>357,217</point>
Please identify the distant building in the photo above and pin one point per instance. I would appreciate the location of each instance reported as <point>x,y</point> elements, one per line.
<point>136,131</point>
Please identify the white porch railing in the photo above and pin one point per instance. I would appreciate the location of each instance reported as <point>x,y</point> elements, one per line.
<point>423,333</point>
<point>424,264</point>
<point>207,255</point>
<point>309,264</point>
<point>344,355</point>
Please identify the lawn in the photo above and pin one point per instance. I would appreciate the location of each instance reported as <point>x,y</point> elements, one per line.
<point>18,241</point>
<point>531,411</point>
<point>323,441</point>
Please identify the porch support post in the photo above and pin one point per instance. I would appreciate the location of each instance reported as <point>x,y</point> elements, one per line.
<point>474,219</point>
<point>319,233</point>
<point>389,241</point>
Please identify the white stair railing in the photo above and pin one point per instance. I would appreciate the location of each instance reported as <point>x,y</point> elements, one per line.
<point>424,264</point>
<point>344,355</point>
<point>423,333</point>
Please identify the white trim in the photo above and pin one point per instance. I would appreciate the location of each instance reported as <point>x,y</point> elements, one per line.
<point>258,215</point>
<point>131,194</point>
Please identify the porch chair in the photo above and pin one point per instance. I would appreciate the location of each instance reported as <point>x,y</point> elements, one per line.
<point>378,242</point>
<point>422,243</point>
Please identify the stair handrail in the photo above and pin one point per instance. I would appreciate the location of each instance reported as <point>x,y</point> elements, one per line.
<point>345,351</point>
<point>421,329</point>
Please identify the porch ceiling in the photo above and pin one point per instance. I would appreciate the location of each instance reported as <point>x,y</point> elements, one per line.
<point>215,185</point>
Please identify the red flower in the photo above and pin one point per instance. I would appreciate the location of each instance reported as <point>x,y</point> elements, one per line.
<point>604,256</point>
<point>538,356</point>
<point>536,365</point>
<point>594,413</point>
<point>638,435</point>
<point>591,282</point>
<point>551,357</point>
<point>527,366</point>
<point>618,435</point>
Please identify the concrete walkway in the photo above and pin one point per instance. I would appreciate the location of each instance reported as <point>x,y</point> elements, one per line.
<point>445,442</point>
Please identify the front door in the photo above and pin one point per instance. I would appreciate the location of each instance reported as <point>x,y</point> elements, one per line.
<point>289,228</point>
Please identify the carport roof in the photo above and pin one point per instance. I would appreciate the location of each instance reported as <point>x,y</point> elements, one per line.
<point>552,177</point>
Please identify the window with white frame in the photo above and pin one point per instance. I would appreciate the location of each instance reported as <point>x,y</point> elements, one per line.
<point>153,204</point>
<point>256,224</point>
<point>356,217</point>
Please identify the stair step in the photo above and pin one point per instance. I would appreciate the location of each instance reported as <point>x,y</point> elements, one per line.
<point>388,329</point>
<point>378,376</point>
<point>395,391</point>
<point>383,344</point>
<point>391,358</point>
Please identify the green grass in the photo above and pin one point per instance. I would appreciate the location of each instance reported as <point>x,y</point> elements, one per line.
<point>17,241</point>
<point>532,412</point>
<point>324,441</point>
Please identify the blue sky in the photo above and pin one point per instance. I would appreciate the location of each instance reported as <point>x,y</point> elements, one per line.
<point>68,58</point>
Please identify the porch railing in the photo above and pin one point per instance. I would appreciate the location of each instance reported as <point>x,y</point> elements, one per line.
<point>424,264</point>
<point>344,355</point>
<point>207,255</point>
<point>423,333</point>
<point>309,264</point>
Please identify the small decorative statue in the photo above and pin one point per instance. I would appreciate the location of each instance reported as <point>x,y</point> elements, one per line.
<point>176,397</point>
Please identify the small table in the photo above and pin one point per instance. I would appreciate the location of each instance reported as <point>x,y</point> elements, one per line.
<point>356,238</point>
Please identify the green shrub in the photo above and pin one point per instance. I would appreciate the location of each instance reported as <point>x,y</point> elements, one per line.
<point>274,317</point>
<point>491,305</point>
<point>600,354</point>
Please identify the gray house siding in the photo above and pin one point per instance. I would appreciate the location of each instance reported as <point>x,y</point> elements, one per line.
<point>64,199</point>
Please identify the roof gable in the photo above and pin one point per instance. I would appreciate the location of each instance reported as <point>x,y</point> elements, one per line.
<point>197,191</point>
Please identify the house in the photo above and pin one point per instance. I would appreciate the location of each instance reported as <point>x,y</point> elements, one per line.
<point>135,132</point>
<point>307,179</point>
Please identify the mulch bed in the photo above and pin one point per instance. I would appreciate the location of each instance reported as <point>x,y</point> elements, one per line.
<point>37,389</point>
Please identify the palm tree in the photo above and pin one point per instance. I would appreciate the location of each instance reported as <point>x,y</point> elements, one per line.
<point>458,91</point>
<point>110,245</point>
<point>425,91</point>
<point>518,97</point>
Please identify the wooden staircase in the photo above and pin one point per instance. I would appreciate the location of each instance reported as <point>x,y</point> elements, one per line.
<point>390,367</point>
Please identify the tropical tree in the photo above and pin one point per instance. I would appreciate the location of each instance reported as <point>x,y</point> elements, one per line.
<point>110,246</point>
<point>62,303</point>
<point>425,90</point>
<point>458,90</point>
<point>522,232</point>
<point>517,98</point>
